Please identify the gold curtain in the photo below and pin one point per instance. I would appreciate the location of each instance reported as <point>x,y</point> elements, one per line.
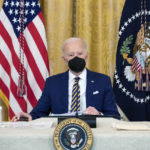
<point>95,21</point>
<point>98,23</point>
<point>58,22</point>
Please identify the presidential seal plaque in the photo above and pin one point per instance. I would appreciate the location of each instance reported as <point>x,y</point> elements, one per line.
<point>73,134</point>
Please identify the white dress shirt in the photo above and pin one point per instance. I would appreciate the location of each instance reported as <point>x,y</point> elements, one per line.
<point>82,85</point>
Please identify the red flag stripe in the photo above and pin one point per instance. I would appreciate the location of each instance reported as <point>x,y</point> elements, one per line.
<point>36,54</point>
<point>21,101</point>
<point>39,24</point>
<point>31,61</point>
<point>30,95</point>
<point>5,63</point>
<point>39,42</point>
<point>41,17</point>
<point>13,86</point>
<point>4,88</point>
<point>11,113</point>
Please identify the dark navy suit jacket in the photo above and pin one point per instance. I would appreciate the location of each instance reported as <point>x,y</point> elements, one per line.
<point>54,99</point>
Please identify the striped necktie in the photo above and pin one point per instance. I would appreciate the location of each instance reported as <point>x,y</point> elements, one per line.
<point>75,105</point>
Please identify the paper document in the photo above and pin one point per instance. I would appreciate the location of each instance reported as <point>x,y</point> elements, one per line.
<point>79,113</point>
<point>23,124</point>
<point>130,126</point>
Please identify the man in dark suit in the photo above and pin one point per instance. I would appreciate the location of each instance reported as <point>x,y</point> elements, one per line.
<point>95,95</point>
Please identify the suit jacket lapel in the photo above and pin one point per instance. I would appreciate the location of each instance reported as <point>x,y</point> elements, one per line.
<point>89,87</point>
<point>64,93</point>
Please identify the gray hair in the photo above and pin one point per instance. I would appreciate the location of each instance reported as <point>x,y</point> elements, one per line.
<point>74,39</point>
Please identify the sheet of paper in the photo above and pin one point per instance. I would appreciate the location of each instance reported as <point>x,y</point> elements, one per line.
<point>130,126</point>
<point>23,124</point>
<point>68,114</point>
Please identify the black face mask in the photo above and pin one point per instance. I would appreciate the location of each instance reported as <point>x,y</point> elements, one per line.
<point>76,64</point>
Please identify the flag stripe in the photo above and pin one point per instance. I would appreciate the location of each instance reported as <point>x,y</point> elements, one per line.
<point>41,18</point>
<point>39,42</point>
<point>10,94</point>
<point>33,66</point>
<point>35,51</point>
<point>13,87</point>
<point>4,87</point>
<point>11,113</point>
<point>6,79</point>
<point>38,22</point>
<point>4,63</point>
<point>14,104</point>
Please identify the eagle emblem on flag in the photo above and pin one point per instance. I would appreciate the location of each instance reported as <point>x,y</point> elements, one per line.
<point>140,62</point>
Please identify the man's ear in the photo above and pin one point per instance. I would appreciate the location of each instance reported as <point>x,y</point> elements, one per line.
<point>65,60</point>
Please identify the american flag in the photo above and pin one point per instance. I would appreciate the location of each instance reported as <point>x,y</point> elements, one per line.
<point>138,62</point>
<point>31,55</point>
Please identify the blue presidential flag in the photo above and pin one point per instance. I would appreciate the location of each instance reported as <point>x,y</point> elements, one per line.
<point>132,74</point>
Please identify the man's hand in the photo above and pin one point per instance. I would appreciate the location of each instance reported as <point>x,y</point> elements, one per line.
<point>91,111</point>
<point>18,116</point>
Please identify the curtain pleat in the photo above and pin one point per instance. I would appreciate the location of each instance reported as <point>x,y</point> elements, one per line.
<point>97,23</point>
